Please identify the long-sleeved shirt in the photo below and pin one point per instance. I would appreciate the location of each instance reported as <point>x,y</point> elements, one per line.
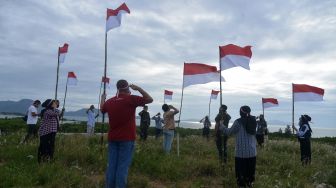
<point>158,122</point>
<point>303,131</point>
<point>50,121</point>
<point>245,143</point>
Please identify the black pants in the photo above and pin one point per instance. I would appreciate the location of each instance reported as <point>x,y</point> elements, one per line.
<point>260,139</point>
<point>46,148</point>
<point>158,132</point>
<point>31,131</point>
<point>245,171</point>
<point>221,143</point>
<point>305,149</point>
<point>206,132</point>
<point>143,132</point>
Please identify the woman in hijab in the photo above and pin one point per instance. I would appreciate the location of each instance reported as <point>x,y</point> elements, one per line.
<point>245,158</point>
<point>304,135</point>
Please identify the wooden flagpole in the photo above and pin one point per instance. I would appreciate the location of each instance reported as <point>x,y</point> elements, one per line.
<point>98,111</point>
<point>220,79</point>
<point>209,106</point>
<point>57,72</point>
<point>65,94</point>
<point>104,91</point>
<point>263,108</point>
<point>293,106</point>
<point>178,123</point>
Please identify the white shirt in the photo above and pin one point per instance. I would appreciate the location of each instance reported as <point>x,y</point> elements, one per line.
<point>30,118</point>
<point>91,118</point>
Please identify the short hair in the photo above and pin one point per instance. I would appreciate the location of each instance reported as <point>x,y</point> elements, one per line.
<point>165,107</point>
<point>224,107</point>
<point>122,84</point>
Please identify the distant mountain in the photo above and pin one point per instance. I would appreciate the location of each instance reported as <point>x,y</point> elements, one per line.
<point>81,112</point>
<point>15,107</point>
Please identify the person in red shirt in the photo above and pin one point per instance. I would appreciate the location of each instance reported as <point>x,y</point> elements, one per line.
<point>122,130</point>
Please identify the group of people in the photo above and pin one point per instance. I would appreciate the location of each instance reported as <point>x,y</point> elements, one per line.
<point>121,110</point>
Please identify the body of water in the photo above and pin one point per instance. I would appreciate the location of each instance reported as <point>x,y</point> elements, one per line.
<point>317,131</point>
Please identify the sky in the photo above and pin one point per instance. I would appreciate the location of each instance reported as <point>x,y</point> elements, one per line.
<point>293,42</point>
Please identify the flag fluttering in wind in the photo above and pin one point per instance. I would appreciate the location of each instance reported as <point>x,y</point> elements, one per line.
<point>303,92</point>
<point>269,102</point>
<point>113,18</point>
<point>62,51</point>
<point>168,95</point>
<point>232,56</point>
<point>72,79</point>
<point>214,94</point>
<point>106,80</point>
<point>197,73</point>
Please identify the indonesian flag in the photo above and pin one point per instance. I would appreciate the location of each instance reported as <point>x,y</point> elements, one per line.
<point>269,102</point>
<point>214,94</point>
<point>72,79</point>
<point>62,51</point>
<point>234,56</point>
<point>106,80</point>
<point>113,18</point>
<point>197,73</point>
<point>168,95</point>
<point>303,92</point>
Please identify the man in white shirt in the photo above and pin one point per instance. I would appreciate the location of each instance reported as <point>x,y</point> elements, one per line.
<point>32,117</point>
<point>91,120</point>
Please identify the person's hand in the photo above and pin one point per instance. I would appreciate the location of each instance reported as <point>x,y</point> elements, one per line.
<point>170,106</point>
<point>134,87</point>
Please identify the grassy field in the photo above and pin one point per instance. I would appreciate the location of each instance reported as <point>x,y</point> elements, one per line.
<point>80,161</point>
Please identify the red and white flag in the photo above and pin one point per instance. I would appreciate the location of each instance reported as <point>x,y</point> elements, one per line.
<point>113,18</point>
<point>106,80</point>
<point>214,94</point>
<point>72,79</point>
<point>303,92</point>
<point>233,56</point>
<point>62,51</point>
<point>168,95</point>
<point>197,73</point>
<point>269,102</point>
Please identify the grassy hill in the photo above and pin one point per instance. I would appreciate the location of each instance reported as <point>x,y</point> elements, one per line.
<point>81,162</point>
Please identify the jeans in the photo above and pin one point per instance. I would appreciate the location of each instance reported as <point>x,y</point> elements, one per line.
<point>120,155</point>
<point>168,137</point>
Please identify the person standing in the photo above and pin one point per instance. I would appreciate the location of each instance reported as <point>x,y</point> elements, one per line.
<point>144,123</point>
<point>206,126</point>
<point>48,130</point>
<point>261,130</point>
<point>91,120</point>
<point>221,140</point>
<point>122,130</point>
<point>245,157</point>
<point>32,117</point>
<point>304,135</point>
<point>158,125</point>
<point>169,126</point>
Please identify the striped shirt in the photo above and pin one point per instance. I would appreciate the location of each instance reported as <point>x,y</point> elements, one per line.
<point>245,143</point>
<point>49,122</point>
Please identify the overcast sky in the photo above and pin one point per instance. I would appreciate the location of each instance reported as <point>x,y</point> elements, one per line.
<point>293,42</point>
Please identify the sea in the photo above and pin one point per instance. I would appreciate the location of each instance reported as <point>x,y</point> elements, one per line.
<point>317,131</point>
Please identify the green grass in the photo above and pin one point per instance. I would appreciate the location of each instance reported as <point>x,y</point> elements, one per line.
<point>81,162</point>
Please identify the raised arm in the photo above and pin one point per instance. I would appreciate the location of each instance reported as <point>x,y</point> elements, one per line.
<point>175,111</point>
<point>145,95</point>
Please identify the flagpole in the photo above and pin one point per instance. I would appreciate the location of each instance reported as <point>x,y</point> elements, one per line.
<point>104,91</point>
<point>209,106</point>
<point>57,73</point>
<point>178,123</point>
<point>101,128</point>
<point>293,106</point>
<point>263,109</point>
<point>65,94</point>
<point>164,98</point>
<point>220,79</point>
